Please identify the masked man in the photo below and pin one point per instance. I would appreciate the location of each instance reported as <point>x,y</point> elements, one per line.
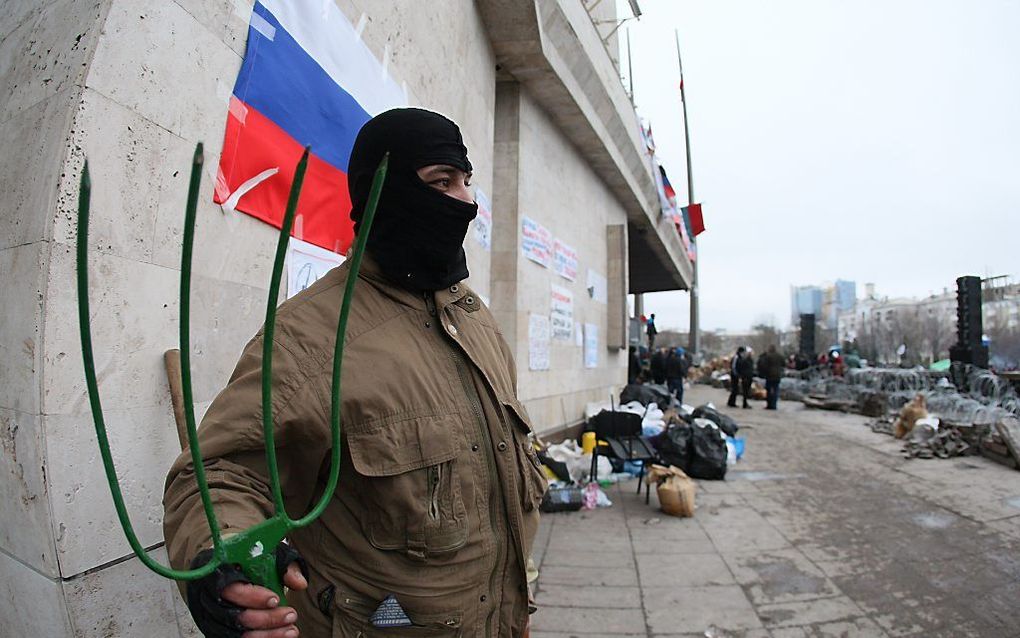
<point>437,506</point>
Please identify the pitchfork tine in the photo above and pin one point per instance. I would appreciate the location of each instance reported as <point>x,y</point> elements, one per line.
<point>91,383</point>
<point>189,406</point>
<point>268,330</point>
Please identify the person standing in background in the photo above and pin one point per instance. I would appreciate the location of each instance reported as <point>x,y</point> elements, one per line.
<point>651,331</point>
<point>676,371</point>
<point>658,367</point>
<point>735,378</point>
<point>633,365</point>
<point>770,366</point>
<point>745,370</point>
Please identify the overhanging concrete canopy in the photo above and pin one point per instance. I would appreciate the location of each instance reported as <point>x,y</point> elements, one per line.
<point>552,49</point>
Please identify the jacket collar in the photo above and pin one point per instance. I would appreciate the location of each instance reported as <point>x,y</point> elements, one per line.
<point>372,273</point>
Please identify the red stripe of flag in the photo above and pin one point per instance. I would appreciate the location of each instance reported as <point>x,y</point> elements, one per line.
<point>324,207</point>
<point>697,219</point>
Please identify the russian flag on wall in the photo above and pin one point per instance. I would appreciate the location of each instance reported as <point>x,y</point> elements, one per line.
<point>307,79</point>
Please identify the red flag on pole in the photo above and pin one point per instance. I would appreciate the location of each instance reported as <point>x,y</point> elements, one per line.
<point>696,218</point>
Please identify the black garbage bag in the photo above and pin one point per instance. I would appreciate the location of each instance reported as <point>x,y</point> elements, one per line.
<point>645,393</point>
<point>708,453</point>
<point>700,451</point>
<point>558,468</point>
<point>725,423</point>
<point>674,445</point>
<point>636,392</point>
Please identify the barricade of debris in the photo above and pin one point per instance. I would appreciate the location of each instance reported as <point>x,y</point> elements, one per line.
<point>936,417</point>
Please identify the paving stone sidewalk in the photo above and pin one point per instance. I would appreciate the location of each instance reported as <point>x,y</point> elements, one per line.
<point>822,530</point>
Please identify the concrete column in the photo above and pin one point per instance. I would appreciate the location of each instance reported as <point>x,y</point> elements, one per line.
<point>616,246</point>
<point>505,215</point>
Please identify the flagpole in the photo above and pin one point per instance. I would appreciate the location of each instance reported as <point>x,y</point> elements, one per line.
<point>630,69</point>
<point>694,341</point>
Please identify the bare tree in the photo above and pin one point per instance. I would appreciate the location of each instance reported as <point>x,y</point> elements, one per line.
<point>763,335</point>
<point>711,344</point>
<point>908,329</point>
<point>939,333</point>
<point>1004,342</point>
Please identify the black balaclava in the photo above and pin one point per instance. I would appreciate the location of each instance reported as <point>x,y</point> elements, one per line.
<point>417,235</point>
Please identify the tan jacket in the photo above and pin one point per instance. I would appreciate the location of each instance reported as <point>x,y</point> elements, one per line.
<point>439,487</point>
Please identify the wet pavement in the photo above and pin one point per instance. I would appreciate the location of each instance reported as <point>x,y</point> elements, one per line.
<point>823,529</point>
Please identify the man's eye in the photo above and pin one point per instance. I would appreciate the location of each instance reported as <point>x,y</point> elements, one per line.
<point>443,182</point>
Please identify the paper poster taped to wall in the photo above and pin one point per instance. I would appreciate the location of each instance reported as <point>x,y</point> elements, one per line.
<point>578,335</point>
<point>538,342</point>
<point>562,314</point>
<point>564,260</point>
<point>483,222</point>
<point>306,263</point>
<point>597,287</point>
<point>591,345</point>
<point>536,242</point>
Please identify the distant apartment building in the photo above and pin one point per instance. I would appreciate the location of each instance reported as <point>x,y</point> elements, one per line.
<point>926,326</point>
<point>804,300</point>
<point>1000,304</point>
<point>826,302</point>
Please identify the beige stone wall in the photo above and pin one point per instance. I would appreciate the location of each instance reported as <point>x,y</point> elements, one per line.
<point>45,48</point>
<point>558,189</point>
<point>133,85</point>
<point>440,51</point>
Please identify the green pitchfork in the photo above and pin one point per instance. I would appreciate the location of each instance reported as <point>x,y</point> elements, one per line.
<point>253,549</point>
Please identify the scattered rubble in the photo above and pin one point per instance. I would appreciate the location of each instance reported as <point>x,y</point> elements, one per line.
<point>982,418</point>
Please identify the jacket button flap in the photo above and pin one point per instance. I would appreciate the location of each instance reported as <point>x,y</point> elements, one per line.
<point>401,445</point>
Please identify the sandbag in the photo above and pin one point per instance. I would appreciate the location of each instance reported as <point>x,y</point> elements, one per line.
<point>725,423</point>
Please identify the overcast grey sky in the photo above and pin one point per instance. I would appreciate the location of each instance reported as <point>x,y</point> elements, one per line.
<point>872,140</point>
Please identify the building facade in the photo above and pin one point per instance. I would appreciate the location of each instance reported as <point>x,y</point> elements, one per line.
<point>926,327</point>
<point>133,85</point>
<point>805,300</point>
<point>826,302</point>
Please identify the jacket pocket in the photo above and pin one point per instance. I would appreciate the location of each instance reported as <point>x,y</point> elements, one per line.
<point>351,614</point>
<point>534,483</point>
<point>410,485</point>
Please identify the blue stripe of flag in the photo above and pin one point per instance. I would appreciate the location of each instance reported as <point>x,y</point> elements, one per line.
<point>285,84</point>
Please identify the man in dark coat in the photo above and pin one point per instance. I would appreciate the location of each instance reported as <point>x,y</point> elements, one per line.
<point>633,365</point>
<point>651,331</point>
<point>676,372</point>
<point>658,366</point>
<point>735,378</point>
<point>741,376</point>
<point>770,366</point>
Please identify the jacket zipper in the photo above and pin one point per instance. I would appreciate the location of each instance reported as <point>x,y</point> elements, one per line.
<point>490,460</point>
<point>435,474</point>
<point>476,407</point>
